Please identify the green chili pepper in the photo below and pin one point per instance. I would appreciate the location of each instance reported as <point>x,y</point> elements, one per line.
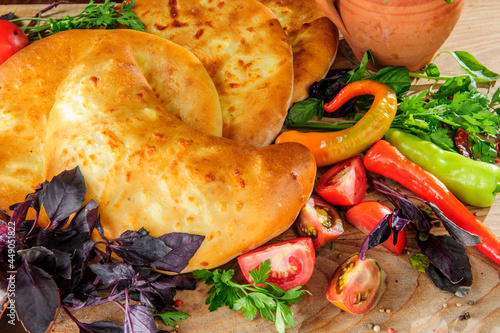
<point>473,182</point>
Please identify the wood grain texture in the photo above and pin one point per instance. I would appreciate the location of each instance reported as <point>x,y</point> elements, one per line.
<point>415,304</point>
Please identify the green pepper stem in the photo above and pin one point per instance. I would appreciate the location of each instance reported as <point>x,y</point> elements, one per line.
<point>497,188</point>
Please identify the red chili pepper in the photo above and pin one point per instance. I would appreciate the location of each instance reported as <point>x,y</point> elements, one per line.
<point>388,161</point>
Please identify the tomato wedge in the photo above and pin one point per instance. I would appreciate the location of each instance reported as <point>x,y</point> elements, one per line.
<point>320,221</point>
<point>356,285</point>
<point>292,262</point>
<point>344,184</point>
<point>367,214</point>
<point>12,39</point>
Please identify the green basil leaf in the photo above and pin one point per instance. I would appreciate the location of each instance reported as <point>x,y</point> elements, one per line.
<point>305,110</point>
<point>398,78</point>
<point>432,70</point>
<point>360,71</point>
<point>472,66</point>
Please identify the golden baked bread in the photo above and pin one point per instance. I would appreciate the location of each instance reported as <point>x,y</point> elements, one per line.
<point>245,51</point>
<point>314,39</point>
<point>146,168</point>
<point>29,80</point>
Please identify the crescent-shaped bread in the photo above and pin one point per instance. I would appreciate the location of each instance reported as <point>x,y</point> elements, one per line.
<point>146,168</point>
<point>314,39</point>
<point>245,51</point>
<point>29,80</point>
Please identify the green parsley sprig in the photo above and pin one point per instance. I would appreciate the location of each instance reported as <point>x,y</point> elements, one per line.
<point>104,15</point>
<point>269,300</point>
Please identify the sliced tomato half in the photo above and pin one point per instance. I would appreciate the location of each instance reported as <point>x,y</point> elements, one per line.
<point>356,285</point>
<point>367,214</point>
<point>344,184</point>
<point>292,262</point>
<point>320,221</point>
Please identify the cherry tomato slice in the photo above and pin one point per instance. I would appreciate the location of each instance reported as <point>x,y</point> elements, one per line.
<point>344,184</point>
<point>12,39</point>
<point>292,262</point>
<point>367,214</point>
<point>320,221</point>
<point>356,285</point>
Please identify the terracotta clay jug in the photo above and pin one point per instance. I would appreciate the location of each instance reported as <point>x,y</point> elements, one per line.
<point>397,32</point>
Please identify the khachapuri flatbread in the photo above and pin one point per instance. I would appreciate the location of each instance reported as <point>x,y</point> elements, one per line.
<point>146,168</point>
<point>244,49</point>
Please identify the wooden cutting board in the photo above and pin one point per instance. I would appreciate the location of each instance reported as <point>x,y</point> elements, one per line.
<point>410,303</point>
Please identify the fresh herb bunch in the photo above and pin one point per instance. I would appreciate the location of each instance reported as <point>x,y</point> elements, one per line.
<point>271,301</point>
<point>60,266</point>
<point>444,257</point>
<point>434,116</point>
<point>93,16</point>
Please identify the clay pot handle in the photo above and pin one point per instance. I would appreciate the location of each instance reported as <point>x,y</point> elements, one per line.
<point>329,9</point>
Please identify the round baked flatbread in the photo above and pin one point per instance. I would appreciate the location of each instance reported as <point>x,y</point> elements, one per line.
<point>314,39</point>
<point>29,80</point>
<point>245,51</point>
<point>147,169</point>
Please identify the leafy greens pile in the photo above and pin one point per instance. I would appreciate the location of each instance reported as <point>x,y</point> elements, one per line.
<point>432,115</point>
<point>60,266</point>
<point>93,16</point>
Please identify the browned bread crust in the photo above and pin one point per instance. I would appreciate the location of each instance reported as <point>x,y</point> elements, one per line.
<point>314,39</point>
<point>146,168</point>
<point>29,80</point>
<point>245,51</point>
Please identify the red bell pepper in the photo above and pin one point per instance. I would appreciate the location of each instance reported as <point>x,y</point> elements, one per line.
<point>388,161</point>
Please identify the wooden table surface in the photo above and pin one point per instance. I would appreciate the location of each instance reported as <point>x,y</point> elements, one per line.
<point>415,304</point>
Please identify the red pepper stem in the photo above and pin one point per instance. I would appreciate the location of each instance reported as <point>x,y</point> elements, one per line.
<point>387,160</point>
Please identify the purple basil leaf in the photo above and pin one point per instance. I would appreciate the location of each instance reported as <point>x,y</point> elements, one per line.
<point>408,209</point>
<point>81,258</point>
<point>99,228</point>
<point>183,246</point>
<point>458,252</point>
<point>440,256</point>
<point>84,294</point>
<point>100,327</point>
<point>380,233</point>
<point>156,300</point>
<point>54,262</point>
<point>111,273</point>
<point>460,235</point>
<point>174,281</point>
<point>20,212</point>
<point>40,257</point>
<point>63,268</point>
<point>138,319</point>
<point>84,220</point>
<point>64,195</point>
<point>139,249</point>
<point>4,217</point>
<point>66,240</point>
<point>397,224</point>
<point>412,212</point>
<point>37,298</point>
